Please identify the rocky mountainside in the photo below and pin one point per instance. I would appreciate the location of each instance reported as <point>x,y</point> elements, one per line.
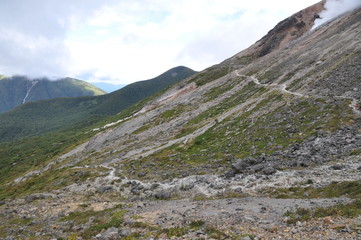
<point>265,145</point>
<point>17,90</point>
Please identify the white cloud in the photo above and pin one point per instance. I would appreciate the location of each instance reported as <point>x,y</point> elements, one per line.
<point>129,40</point>
<point>335,8</point>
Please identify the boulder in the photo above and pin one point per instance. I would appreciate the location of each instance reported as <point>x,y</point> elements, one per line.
<point>125,232</point>
<point>269,171</point>
<point>162,195</point>
<point>337,167</point>
<point>33,197</point>
<point>240,165</point>
<point>103,189</point>
<point>110,234</point>
<point>258,167</point>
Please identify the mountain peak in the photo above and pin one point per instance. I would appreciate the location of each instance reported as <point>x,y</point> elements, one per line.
<point>289,29</point>
<point>18,90</point>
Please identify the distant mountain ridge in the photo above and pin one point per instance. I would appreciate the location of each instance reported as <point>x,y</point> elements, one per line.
<point>108,87</point>
<point>18,90</point>
<point>36,118</point>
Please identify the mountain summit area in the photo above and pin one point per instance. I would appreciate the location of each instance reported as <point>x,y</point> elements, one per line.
<point>264,145</point>
<point>18,90</point>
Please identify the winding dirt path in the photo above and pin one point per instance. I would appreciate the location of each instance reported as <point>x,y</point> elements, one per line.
<point>281,87</point>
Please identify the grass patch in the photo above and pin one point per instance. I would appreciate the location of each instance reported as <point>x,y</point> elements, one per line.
<point>210,74</point>
<point>48,181</point>
<point>105,219</point>
<point>219,90</point>
<point>197,224</point>
<point>166,116</point>
<point>271,75</point>
<point>346,210</point>
<point>175,231</point>
<point>335,189</point>
<point>216,233</point>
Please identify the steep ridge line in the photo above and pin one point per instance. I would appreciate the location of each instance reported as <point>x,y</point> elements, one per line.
<point>281,87</point>
<point>33,83</point>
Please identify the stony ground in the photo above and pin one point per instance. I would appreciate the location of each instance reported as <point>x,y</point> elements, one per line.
<point>195,207</point>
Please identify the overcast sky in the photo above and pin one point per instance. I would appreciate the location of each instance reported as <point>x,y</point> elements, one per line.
<point>122,41</point>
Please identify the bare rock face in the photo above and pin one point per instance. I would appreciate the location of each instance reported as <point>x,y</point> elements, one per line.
<point>289,29</point>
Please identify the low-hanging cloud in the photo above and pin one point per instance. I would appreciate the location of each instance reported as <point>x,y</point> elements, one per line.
<point>335,8</point>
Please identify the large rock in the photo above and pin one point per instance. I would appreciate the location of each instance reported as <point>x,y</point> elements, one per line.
<point>103,189</point>
<point>241,165</point>
<point>269,171</point>
<point>33,197</point>
<point>162,195</point>
<point>110,234</point>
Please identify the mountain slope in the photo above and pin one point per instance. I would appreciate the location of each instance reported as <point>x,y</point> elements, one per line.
<point>108,87</point>
<point>246,148</point>
<point>40,117</point>
<point>17,90</point>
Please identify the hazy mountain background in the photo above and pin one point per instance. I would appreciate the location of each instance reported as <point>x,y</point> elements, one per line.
<point>18,90</point>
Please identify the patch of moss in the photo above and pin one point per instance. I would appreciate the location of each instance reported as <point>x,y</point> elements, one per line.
<point>210,74</point>
<point>216,233</point>
<point>347,210</point>
<point>175,231</point>
<point>271,75</point>
<point>335,189</point>
<point>112,217</point>
<point>219,90</point>
<point>50,180</point>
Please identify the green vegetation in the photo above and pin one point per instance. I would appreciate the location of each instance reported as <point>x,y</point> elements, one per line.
<point>346,210</point>
<point>13,90</point>
<point>219,90</point>
<point>239,97</point>
<point>164,117</point>
<point>37,118</point>
<point>23,155</point>
<point>335,189</point>
<point>175,232</point>
<point>113,217</point>
<point>271,75</point>
<point>247,134</point>
<point>216,233</point>
<point>210,74</point>
<point>58,178</point>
